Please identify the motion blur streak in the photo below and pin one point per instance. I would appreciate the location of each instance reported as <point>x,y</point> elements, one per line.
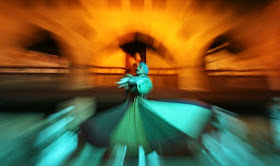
<point>60,59</point>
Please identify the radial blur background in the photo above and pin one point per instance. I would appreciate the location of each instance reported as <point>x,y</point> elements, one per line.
<point>59,61</point>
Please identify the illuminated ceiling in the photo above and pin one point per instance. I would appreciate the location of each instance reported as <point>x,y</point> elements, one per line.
<point>89,31</point>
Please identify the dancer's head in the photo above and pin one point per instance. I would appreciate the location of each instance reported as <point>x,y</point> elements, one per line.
<point>142,69</point>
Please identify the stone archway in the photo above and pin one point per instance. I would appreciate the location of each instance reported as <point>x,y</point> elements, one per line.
<point>139,42</point>
<point>225,62</point>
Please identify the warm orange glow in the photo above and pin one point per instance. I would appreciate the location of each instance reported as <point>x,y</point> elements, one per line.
<point>92,31</point>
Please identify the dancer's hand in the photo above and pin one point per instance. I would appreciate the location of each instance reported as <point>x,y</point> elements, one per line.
<point>123,82</point>
<point>129,75</point>
<point>125,85</point>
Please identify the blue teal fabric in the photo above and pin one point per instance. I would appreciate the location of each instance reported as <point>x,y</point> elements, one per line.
<point>162,126</point>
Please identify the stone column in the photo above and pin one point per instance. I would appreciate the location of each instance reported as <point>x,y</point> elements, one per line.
<point>78,78</point>
<point>192,79</point>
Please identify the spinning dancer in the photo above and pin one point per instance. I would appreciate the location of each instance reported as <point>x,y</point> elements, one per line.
<point>165,127</point>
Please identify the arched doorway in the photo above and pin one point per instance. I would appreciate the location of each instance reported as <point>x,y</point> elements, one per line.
<point>227,65</point>
<point>137,43</point>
